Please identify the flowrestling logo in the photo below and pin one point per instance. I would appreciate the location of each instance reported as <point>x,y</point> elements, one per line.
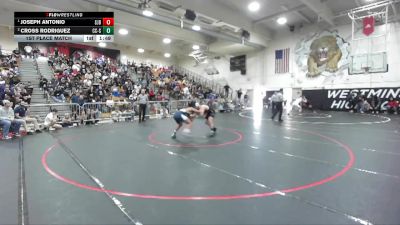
<point>338,99</point>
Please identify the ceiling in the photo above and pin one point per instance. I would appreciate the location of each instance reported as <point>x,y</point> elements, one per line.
<point>222,35</point>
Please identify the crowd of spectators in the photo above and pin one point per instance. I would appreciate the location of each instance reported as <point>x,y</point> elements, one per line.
<point>362,104</point>
<point>15,96</point>
<point>101,79</point>
<point>86,80</point>
<point>11,87</point>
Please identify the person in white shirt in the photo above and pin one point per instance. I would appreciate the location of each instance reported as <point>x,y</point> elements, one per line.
<point>7,120</point>
<point>28,50</point>
<point>51,120</point>
<point>296,104</point>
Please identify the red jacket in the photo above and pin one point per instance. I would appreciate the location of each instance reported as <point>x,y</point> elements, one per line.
<point>393,104</point>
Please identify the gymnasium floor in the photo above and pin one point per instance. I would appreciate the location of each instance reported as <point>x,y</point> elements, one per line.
<point>323,168</point>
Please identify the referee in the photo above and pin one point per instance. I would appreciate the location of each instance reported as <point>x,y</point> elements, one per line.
<point>277,105</point>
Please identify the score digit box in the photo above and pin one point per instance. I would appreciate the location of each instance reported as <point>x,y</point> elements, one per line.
<point>108,21</point>
<point>108,30</point>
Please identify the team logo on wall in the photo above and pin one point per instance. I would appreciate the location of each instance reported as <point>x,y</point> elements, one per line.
<point>322,54</point>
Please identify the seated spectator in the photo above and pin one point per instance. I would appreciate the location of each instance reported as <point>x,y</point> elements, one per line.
<point>7,120</point>
<point>21,112</point>
<point>375,104</point>
<point>392,106</point>
<point>366,107</point>
<point>67,121</point>
<point>51,119</point>
<point>359,104</point>
<point>352,100</point>
<point>152,95</point>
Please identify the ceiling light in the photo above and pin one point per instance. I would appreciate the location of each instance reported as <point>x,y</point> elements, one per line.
<point>196,27</point>
<point>140,50</point>
<point>196,47</point>
<point>123,31</point>
<point>167,55</point>
<point>102,44</point>
<point>148,13</point>
<point>281,20</point>
<point>254,6</point>
<point>166,40</point>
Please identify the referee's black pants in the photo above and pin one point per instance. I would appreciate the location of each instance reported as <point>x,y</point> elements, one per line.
<point>142,112</point>
<point>278,108</point>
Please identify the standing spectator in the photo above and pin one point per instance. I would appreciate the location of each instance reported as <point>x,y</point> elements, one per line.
<point>239,94</point>
<point>246,99</point>
<point>278,102</point>
<point>56,52</point>
<point>51,120</point>
<point>28,50</point>
<point>7,120</point>
<point>143,98</point>
<point>375,104</point>
<point>227,87</point>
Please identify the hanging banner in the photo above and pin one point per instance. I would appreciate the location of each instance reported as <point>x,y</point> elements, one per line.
<point>368,25</point>
<point>338,99</point>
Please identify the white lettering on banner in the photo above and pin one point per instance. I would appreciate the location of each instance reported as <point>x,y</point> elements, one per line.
<point>346,106</point>
<point>363,91</point>
<point>343,104</point>
<point>344,94</point>
<point>337,99</point>
<point>392,93</point>
<point>333,93</point>
<point>383,105</point>
<point>383,94</point>
<point>373,92</point>
<point>336,104</point>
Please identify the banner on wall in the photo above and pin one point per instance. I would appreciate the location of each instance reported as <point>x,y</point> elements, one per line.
<point>72,50</point>
<point>368,25</point>
<point>337,99</point>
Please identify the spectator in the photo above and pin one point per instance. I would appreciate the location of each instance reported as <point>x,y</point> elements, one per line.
<point>239,94</point>
<point>246,99</point>
<point>152,95</point>
<point>67,121</point>
<point>365,106</point>
<point>360,104</point>
<point>21,112</point>
<point>28,51</point>
<point>352,100</point>
<point>227,87</point>
<point>7,120</point>
<point>51,119</point>
<point>375,104</point>
<point>392,106</point>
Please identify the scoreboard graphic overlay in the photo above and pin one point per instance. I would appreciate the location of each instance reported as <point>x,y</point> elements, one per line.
<point>64,26</point>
